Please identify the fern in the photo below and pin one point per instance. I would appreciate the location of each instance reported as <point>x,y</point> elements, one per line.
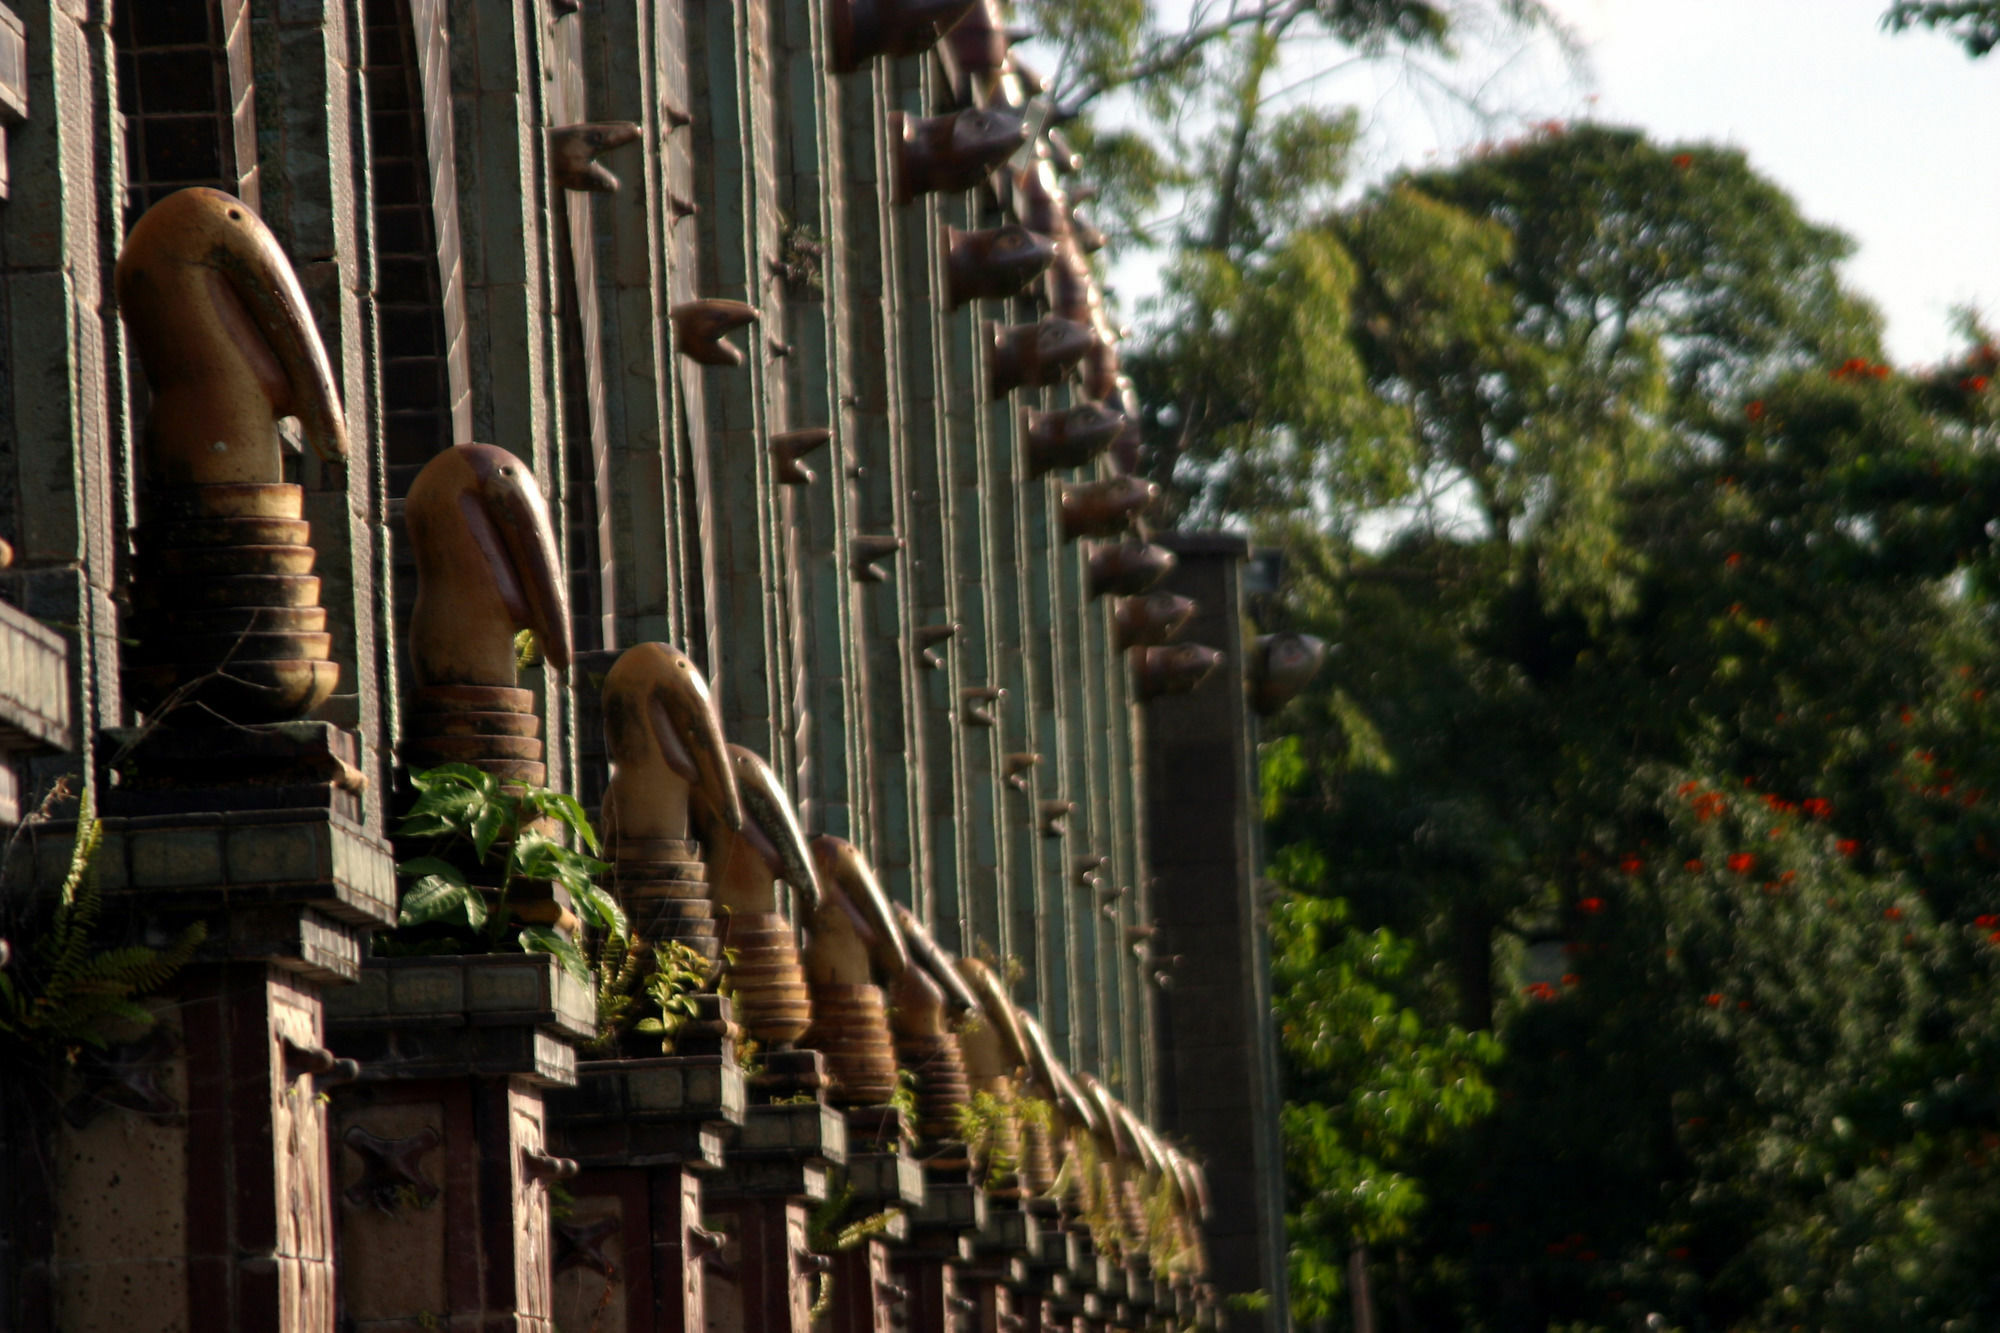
<point>69,992</point>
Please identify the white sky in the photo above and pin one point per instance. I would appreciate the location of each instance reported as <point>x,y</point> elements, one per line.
<point>1894,140</point>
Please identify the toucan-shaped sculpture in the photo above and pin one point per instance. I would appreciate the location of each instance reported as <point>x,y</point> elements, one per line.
<point>1069,437</point>
<point>1176,668</point>
<point>745,865</point>
<point>1104,508</point>
<point>487,566</point>
<point>666,746</point>
<point>574,149</point>
<point>925,1004</point>
<point>952,152</point>
<point>852,945</point>
<point>864,29</point>
<point>993,264</point>
<point>1033,355</point>
<point>221,325</point>
<point>1156,618</point>
<point>1128,568</point>
<point>229,607</point>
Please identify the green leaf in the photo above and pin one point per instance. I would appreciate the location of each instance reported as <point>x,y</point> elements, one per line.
<point>435,898</point>
<point>489,823</point>
<point>545,939</point>
<point>431,865</point>
<point>598,908</point>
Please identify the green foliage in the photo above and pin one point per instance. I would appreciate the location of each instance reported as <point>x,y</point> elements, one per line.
<point>65,991</point>
<point>1371,1086</point>
<point>461,809</point>
<point>679,974</point>
<point>1973,24</point>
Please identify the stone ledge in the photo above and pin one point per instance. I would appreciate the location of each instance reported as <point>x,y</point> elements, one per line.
<point>248,859</point>
<point>886,1179</point>
<point>34,684</point>
<point>469,990</point>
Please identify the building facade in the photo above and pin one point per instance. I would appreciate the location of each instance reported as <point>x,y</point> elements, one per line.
<point>784,304</point>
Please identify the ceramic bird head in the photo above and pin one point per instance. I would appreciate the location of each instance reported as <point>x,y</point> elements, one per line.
<point>487,566</point>
<point>1155,618</point>
<point>930,957</point>
<point>1280,666</point>
<point>1052,1080</point>
<point>994,1046</point>
<point>852,938</point>
<point>666,746</point>
<point>768,847</point>
<point>221,325</point>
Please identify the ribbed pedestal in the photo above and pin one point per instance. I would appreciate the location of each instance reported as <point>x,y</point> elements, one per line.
<point>1038,1158</point>
<point>942,1092</point>
<point>772,1001</point>
<point>227,603</point>
<point>850,1026</point>
<point>491,727</point>
<point>663,886</point>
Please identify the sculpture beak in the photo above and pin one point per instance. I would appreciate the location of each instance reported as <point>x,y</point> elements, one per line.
<point>689,735</point>
<point>843,872</point>
<point>934,960</point>
<point>513,503</point>
<point>773,826</point>
<point>247,256</point>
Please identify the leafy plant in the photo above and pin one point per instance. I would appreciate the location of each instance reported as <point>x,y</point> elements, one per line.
<point>68,993</point>
<point>680,973</point>
<point>463,810</point>
<point>904,1097</point>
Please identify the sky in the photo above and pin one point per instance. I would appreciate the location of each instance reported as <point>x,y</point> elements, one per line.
<point>1894,140</point>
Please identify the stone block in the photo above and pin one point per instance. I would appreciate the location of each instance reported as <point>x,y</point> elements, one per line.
<point>427,991</point>
<point>177,858</point>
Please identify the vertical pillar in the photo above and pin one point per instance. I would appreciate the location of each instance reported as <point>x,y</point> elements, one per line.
<point>1217,1062</point>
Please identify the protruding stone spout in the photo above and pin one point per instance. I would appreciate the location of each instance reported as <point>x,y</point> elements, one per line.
<point>574,149</point>
<point>787,447</point>
<point>1280,666</point>
<point>700,329</point>
<point>954,152</point>
<point>866,553</point>
<point>993,264</point>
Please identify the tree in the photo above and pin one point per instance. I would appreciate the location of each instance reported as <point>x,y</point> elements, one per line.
<point>1974,24</point>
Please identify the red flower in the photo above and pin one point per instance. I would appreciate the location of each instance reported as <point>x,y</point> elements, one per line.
<point>1743,1004</point>
<point>1713,1001</point>
<point>1693,866</point>
<point>1755,411</point>
<point>1687,789</point>
<point>1847,846</point>
<point>1571,978</point>
<point>1741,862</point>
<point>1590,906</point>
<point>1678,1252</point>
<point>1586,1256</point>
<point>1817,807</point>
<point>1733,559</point>
<point>1994,938</point>
<point>1893,913</point>
<point>1631,865</point>
<point>1986,920</point>
<point>1682,161</point>
<point>1974,383</point>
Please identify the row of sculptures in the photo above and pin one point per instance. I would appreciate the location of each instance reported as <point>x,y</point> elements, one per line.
<point>701,833</point>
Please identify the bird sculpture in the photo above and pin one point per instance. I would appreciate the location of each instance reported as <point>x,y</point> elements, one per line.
<point>1150,620</point>
<point>1072,1114</point>
<point>851,940</point>
<point>929,1005</point>
<point>995,1055</point>
<point>745,865</point>
<point>228,609</point>
<point>667,751</point>
<point>487,567</point>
